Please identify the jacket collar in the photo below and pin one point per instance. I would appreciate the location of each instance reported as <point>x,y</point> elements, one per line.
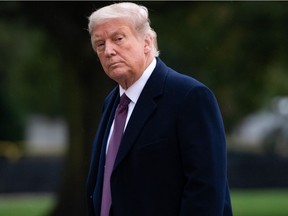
<point>144,108</point>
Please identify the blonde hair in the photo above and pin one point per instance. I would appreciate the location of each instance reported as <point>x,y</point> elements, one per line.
<point>138,15</point>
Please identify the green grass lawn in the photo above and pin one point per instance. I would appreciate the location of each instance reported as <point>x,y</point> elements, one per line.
<point>26,205</point>
<point>260,202</point>
<point>245,203</point>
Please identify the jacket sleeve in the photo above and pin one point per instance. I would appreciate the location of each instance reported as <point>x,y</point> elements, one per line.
<point>203,151</point>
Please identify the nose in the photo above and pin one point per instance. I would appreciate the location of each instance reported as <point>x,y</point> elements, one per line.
<point>109,49</point>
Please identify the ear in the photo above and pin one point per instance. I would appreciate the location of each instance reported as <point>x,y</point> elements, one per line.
<point>148,44</point>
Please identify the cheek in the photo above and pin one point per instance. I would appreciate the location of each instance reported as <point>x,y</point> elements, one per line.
<point>136,52</point>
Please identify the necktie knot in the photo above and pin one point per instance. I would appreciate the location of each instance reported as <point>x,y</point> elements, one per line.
<point>124,101</point>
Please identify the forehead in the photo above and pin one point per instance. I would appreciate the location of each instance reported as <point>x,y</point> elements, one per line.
<point>112,26</point>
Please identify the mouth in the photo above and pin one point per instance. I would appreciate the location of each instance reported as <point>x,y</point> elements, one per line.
<point>114,64</point>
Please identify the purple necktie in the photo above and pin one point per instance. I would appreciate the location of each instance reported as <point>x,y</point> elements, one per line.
<point>114,143</point>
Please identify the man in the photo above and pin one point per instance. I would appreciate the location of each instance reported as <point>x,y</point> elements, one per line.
<point>172,155</point>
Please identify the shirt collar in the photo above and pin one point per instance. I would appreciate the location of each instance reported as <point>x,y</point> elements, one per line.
<point>134,91</point>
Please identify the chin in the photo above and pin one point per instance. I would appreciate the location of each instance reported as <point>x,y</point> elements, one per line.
<point>117,75</point>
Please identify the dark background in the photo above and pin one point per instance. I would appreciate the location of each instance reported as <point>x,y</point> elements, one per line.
<point>47,66</point>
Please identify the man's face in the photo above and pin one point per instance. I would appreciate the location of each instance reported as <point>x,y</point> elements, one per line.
<point>122,52</point>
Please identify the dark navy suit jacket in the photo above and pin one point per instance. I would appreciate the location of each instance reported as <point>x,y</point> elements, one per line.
<point>172,158</point>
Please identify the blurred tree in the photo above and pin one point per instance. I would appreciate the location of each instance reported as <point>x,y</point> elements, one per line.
<point>28,66</point>
<point>45,47</point>
<point>236,48</point>
<point>84,87</point>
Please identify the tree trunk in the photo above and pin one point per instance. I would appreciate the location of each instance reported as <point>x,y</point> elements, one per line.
<point>84,87</point>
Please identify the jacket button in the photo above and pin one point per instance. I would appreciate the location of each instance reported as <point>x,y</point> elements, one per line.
<point>91,196</point>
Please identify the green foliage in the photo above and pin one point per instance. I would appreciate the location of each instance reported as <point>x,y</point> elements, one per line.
<point>33,77</point>
<point>237,48</point>
<point>30,76</point>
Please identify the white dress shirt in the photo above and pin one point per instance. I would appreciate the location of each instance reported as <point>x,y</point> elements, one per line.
<point>133,92</point>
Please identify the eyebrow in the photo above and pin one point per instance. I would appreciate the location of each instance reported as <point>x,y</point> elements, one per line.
<point>117,31</point>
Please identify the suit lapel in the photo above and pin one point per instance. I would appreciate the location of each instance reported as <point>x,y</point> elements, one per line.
<point>95,177</point>
<point>143,109</point>
<point>102,134</point>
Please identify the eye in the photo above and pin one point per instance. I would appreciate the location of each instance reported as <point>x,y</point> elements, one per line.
<point>118,38</point>
<point>99,46</point>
